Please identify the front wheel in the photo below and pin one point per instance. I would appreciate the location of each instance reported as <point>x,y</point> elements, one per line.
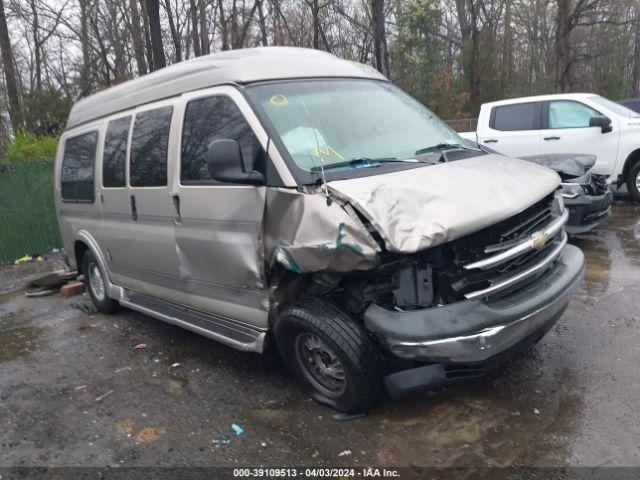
<point>633,181</point>
<point>94,279</point>
<point>330,355</point>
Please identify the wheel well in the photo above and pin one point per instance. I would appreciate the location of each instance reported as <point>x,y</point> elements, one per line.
<point>79,249</point>
<point>632,159</point>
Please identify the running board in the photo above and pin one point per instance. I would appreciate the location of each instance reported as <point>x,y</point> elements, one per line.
<point>221,329</point>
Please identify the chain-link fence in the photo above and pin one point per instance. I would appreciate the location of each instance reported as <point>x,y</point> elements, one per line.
<point>28,221</point>
<point>463,124</point>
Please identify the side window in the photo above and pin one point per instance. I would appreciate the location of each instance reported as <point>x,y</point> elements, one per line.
<point>115,152</point>
<point>569,114</point>
<point>149,145</point>
<point>208,119</point>
<point>519,116</point>
<point>78,163</point>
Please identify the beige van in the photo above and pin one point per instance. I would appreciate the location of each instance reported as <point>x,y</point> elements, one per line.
<point>281,196</point>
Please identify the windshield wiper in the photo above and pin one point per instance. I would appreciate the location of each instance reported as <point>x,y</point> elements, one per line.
<point>444,146</point>
<point>365,162</point>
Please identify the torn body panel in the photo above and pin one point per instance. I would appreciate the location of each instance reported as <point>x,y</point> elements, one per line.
<point>416,209</point>
<point>305,234</point>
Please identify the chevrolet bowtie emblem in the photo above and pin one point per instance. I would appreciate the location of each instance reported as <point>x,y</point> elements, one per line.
<point>539,240</point>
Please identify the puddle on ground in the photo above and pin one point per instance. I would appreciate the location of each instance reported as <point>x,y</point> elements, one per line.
<point>19,342</point>
<point>176,385</point>
<point>612,252</point>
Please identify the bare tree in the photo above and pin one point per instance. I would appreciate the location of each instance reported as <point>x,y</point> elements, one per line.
<point>155,33</point>
<point>381,50</point>
<point>9,71</point>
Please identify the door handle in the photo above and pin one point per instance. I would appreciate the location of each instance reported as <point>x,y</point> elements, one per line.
<point>552,138</point>
<point>134,208</point>
<point>175,198</point>
<point>491,140</point>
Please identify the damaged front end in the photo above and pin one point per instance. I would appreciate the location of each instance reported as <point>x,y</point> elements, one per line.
<point>587,195</point>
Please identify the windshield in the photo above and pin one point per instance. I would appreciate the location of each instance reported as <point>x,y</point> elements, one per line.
<point>614,106</point>
<point>336,121</point>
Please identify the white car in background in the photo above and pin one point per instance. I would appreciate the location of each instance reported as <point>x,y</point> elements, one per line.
<point>577,123</point>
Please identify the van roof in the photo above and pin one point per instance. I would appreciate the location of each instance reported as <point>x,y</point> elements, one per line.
<point>235,66</point>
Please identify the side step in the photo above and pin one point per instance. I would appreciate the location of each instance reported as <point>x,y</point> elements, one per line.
<point>221,329</point>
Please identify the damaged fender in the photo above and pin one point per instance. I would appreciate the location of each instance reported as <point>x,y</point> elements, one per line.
<point>304,234</point>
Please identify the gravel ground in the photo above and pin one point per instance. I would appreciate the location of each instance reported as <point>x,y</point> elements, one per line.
<point>75,392</point>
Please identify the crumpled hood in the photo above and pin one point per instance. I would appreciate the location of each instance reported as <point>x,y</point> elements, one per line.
<point>423,207</point>
<point>568,165</point>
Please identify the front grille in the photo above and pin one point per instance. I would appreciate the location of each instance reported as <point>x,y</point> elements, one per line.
<point>494,240</point>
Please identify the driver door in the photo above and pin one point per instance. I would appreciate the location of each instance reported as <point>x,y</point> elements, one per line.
<point>566,130</point>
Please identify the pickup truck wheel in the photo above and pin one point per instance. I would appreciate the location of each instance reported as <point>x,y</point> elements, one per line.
<point>330,355</point>
<point>94,279</point>
<point>633,181</point>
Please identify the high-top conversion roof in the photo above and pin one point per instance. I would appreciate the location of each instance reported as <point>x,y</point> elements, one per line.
<point>235,66</point>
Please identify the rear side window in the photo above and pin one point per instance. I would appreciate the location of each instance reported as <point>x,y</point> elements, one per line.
<point>520,116</point>
<point>78,163</point>
<point>208,119</point>
<point>115,152</point>
<point>149,144</point>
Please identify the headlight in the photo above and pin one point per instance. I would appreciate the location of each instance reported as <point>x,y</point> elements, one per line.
<point>572,190</point>
<point>559,194</point>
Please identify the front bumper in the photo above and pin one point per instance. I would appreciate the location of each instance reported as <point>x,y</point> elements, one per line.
<point>476,330</point>
<point>587,211</point>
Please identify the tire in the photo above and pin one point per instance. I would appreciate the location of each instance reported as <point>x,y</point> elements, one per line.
<point>315,332</point>
<point>92,275</point>
<point>633,181</point>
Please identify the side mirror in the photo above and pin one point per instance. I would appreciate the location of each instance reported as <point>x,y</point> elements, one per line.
<point>224,159</point>
<point>601,121</point>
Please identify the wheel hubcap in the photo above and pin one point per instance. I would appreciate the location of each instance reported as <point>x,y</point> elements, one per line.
<point>320,364</point>
<point>638,181</point>
<point>96,283</point>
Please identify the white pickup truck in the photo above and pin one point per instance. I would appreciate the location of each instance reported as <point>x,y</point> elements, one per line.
<point>580,123</point>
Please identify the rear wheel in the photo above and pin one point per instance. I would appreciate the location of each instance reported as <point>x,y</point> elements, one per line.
<point>330,355</point>
<point>94,279</point>
<point>633,181</point>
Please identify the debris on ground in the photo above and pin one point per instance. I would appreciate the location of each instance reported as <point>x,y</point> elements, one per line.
<point>149,434</point>
<point>237,429</point>
<point>72,288</point>
<point>85,307</point>
<point>49,283</point>
<point>140,346</point>
<point>103,396</point>
<point>344,453</point>
<point>175,365</point>
<point>39,292</point>
<point>536,411</point>
<point>123,369</point>
<point>221,442</point>
<point>345,417</point>
<point>80,387</point>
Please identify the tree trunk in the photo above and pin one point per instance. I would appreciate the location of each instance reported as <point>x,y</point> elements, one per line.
<point>195,37</point>
<point>563,73</point>
<point>155,32</point>
<point>380,49</point>
<point>177,44</point>
<point>85,76</point>
<point>263,25</point>
<point>37,51</point>
<point>147,36</point>
<point>15,113</point>
<point>315,15</point>
<point>136,34</point>
<point>507,54</point>
<point>204,34</point>
<point>223,27</point>
<point>635,73</point>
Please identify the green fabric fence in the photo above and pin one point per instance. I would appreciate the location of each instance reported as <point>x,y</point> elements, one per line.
<point>28,221</point>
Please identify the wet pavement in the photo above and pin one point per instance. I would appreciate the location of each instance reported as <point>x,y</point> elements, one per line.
<point>75,391</point>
